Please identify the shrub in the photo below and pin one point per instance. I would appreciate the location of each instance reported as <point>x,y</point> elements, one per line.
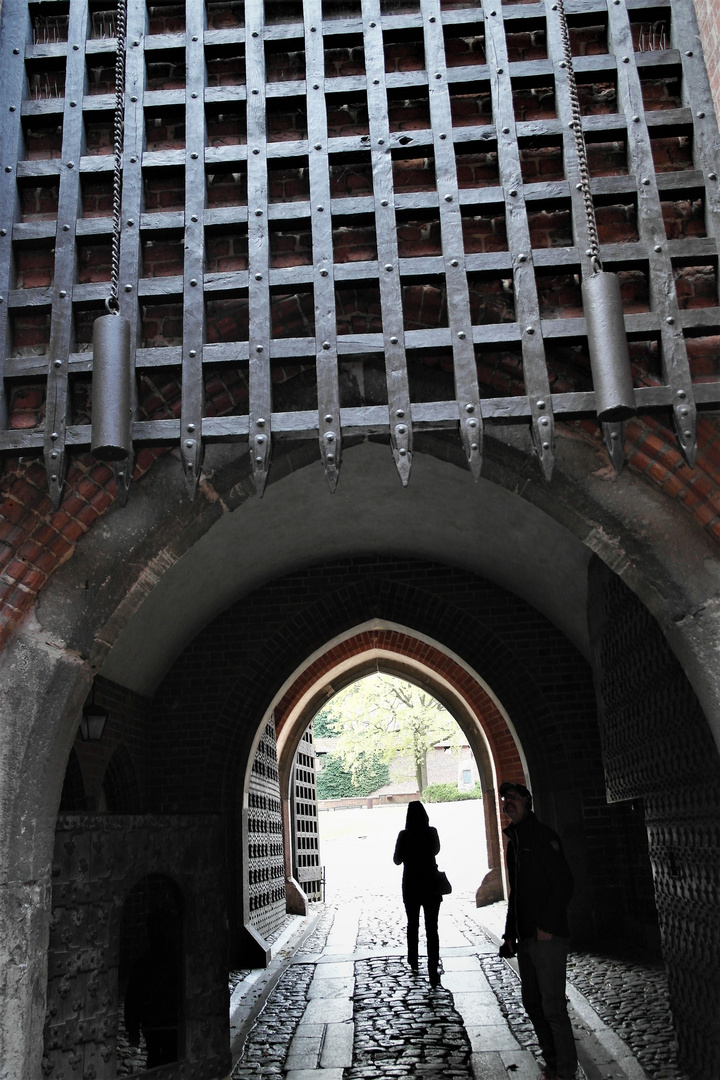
<point>449,793</point>
<point>336,782</point>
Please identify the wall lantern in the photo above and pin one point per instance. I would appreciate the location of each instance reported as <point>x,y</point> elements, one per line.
<point>92,722</point>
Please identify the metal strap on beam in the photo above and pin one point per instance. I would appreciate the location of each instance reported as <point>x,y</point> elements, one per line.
<point>396,374</point>
<point>527,310</point>
<point>458,301</point>
<point>193,391</point>
<point>61,320</point>
<point>651,228</point>
<point>259,377</point>
<point>328,390</point>
<point>132,198</point>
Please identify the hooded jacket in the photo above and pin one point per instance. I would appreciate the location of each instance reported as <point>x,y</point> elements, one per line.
<point>540,881</point>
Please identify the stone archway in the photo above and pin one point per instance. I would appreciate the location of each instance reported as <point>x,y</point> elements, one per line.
<point>396,650</point>
<point>165,551</point>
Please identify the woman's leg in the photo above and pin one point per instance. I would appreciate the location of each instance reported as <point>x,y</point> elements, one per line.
<point>412,910</point>
<point>431,908</point>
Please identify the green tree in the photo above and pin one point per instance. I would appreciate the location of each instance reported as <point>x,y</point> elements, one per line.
<point>388,716</point>
<point>335,781</point>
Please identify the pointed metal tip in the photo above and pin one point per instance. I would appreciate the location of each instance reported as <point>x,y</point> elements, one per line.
<point>260,478</point>
<point>475,463</point>
<point>403,463</point>
<point>331,475</point>
<point>56,495</point>
<point>123,471</point>
<point>547,463</point>
<point>614,438</point>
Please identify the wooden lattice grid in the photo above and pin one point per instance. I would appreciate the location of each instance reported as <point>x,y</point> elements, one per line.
<point>243,121</point>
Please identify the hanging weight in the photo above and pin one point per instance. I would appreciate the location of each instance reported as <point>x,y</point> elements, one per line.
<point>111,384</point>
<point>607,343</point>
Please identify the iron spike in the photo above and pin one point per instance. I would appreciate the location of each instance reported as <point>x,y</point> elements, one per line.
<point>613,433</point>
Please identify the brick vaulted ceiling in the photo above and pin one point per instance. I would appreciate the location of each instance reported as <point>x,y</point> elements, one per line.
<point>344,218</point>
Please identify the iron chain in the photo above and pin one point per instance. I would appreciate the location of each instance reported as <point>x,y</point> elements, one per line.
<point>113,303</point>
<point>581,149</point>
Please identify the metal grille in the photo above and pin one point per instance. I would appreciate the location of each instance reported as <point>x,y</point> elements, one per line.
<point>306,843</point>
<point>265,861</point>
<point>261,137</point>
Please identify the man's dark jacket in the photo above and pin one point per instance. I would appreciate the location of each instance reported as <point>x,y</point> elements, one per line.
<point>540,881</point>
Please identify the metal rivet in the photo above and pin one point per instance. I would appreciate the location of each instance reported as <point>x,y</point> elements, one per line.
<point>256,91</point>
<point>402,430</point>
<point>443,135</point>
<point>522,258</point>
<point>658,248</point>
<point>259,438</point>
<point>54,454</point>
<point>3,232</point>
<point>499,71</point>
<point>546,446</point>
<point>193,352</point>
<point>195,37</point>
<point>318,146</point>
<point>529,329</point>
<point>323,273</point>
<point>73,104</point>
<point>578,187</point>
<point>316,86</point>
<point>669,320</point>
<point>16,51</point>
<point>326,345</point>
<point>70,165</point>
<point>330,437</point>
<point>255,150</point>
<point>393,341</point>
<point>260,421</point>
<point>75,48</point>
<point>454,262</point>
<point>54,435</point>
<point>258,348</point>
<point>470,407</point>
<point>54,478</point>
<point>194,94</point>
<point>432,18</point>
<point>614,436</point>
<point>130,221</point>
<point>388,267</point>
<point>189,444</point>
<point>562,64</point>
<point>328,419</point>
<point>544,421</point>
<point>193,281</point>
<point>400,413</point>
<point>681,394</point>
<point>373,25</point>
<point>506,131</point>
<point>320,209</point>
<point>513,192</point>
<point>193,217</point>
<point>474,446</point>
<point>381,142</point>
<point>701,115</point>
<point>136,42</point>
<point>191,427</point>
<point>688,434</point>
<point>133,159</point>
<point>12,108</point>
<point>689,52</point>
<point>472,423</point>
<point>448,198</point>
<point>376,82</point>
<point>540,404</point>
<point>255,33</point>
<point>684,410</point>
<point>645,181</point>
<point>133,97</point>
<point>383,202</point>
<point>712,176</point>
<point>258,213</point>
<point>461,335</point>
<point>128,287</point>
<point>58,363</point>
<point>636,119</point>
<point>258,459</point>
<point>626,59</point>
<point>589,252</point>
<point>66,228</point>
<point>314,28</point>
<point>258,277</point>
<point>194,156</point>
<point>63,293</point>
<point>438,75</point>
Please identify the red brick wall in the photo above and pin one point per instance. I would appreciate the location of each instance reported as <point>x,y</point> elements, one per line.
<point>708,17</point>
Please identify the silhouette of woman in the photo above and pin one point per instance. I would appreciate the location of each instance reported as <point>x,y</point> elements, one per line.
<point>417,845</point>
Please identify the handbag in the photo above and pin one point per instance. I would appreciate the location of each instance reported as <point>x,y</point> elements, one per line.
<point>441,881</point>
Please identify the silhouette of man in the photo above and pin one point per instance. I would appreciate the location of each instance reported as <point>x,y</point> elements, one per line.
<point>537,928</point>
<point>152,998</point>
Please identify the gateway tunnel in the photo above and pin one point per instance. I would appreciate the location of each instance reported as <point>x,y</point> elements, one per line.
<point>346,456</point>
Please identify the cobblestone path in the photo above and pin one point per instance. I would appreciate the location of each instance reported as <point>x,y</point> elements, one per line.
<point>402,1028</point>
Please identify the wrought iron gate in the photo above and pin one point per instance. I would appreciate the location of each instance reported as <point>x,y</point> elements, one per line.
<point>408,121</point>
